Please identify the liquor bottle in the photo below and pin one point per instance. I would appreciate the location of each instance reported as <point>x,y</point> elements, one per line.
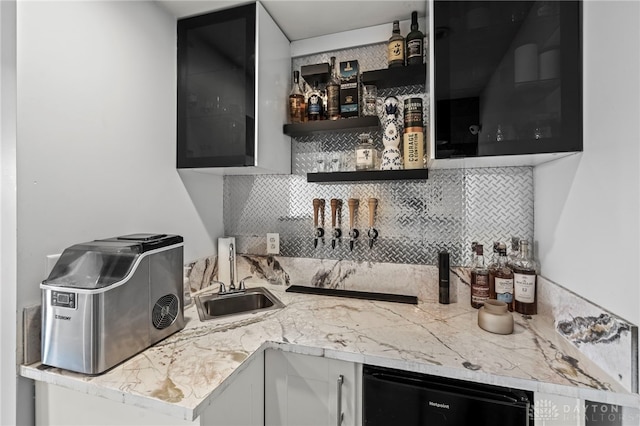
<point>524,282</point>
<point>479,279</point>
<point>366,153</point>
<point>306,89</point>
<point>514,254</point>
<point>493,264</point>
<point>296,100</point>
<point>501,278</point>
<point>315,108</point>
<point>333,92</point>
<point>413,137</point>
<point>494,256</point>
<point>415,42</point>
<point>323,93</point>
<point>395,47</point>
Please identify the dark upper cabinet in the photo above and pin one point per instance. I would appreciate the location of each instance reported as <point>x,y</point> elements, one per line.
<point>224,84</point>
<point>508,77</point>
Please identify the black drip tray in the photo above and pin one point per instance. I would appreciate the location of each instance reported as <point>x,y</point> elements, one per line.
<point>367,295</point>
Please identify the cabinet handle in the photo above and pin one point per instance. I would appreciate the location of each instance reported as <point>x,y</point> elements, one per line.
<point>340,415</point>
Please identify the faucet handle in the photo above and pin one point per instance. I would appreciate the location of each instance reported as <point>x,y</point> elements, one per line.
<point>241,286</point>
<point>222,288</point>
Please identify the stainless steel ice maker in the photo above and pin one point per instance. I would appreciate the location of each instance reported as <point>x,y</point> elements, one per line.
<point>107,300</point>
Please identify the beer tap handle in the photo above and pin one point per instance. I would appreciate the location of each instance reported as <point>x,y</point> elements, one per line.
<point>353,232</point>
<point>373,233</point>
<point>322,212</point>
<point>373,204</point>
<point>316,210</point>
<point>318,213</point>
<point>353,206</point>
<point>336,208</point>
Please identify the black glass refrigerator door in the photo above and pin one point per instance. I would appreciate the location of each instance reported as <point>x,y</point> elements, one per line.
<point>508,77</point>
<point>216,89</point>
<point>392,397</point>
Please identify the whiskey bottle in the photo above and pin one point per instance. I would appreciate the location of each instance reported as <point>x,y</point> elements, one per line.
<point>333,92</point>
<point>366,153</point>
<point>479,279</point>
<point>306,91</point>
<point>315,108</point>
<point>514,254</point>
<point>501,278</point>
<point>395,47</point>
<point>524,282</point>
<point>296,100</point>
<point>415,42</point>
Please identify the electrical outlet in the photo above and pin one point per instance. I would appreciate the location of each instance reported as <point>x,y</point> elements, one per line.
<point>273,243</point>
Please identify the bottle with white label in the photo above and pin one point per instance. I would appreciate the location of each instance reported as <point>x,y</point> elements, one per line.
<point>479,278</point>
<point>524,282</point>
<point>501,278</point>
<point>366,153</point>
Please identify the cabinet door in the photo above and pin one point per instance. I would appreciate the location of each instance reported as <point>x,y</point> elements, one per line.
<point>508,77</point>
<point>242,402</point>
<point>56,405</point>
<point>216,89</point>
<point>303,390</point>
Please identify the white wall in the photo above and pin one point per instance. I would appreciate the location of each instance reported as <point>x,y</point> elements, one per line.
<point>587,206</point>
<point>8,202</point>
<point>96,134</point>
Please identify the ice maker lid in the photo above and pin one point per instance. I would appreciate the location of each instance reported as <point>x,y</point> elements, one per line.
<point>101,263</point>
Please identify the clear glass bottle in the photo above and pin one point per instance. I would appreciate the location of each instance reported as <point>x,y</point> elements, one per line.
<point>296,100</point>
<point>366,153</point>
<point>415,42</point>
<point>315,107</point>
<point>333,92</point>
<point>501,278</point>
<point>524,282</point>
<point>395,47</point>
<point>494,255</point>
<point>479,278</point>
<point>514,253</point>
<point>306,89</point>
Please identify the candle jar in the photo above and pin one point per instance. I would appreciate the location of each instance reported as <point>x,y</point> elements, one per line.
<point>494,317</point>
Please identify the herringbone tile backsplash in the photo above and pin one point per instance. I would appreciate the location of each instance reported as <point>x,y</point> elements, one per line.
<point>415,219</point>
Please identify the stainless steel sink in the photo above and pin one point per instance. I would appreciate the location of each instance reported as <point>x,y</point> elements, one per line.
<point>215,305</point>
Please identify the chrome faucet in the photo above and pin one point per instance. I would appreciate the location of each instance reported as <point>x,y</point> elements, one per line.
<point>232,286</point>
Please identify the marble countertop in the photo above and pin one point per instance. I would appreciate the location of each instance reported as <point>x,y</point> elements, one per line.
<point>181,375</point>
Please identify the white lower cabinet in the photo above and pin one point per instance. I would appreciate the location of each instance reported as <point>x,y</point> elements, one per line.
<point>240,404</point>
<point>304,390</point>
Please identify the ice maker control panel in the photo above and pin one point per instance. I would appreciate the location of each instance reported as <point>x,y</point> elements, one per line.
<point>63,299</point>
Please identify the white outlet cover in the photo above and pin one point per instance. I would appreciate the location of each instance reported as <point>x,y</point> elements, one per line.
<point>273,243</point>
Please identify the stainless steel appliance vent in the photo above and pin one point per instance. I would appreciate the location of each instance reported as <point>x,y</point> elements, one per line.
<point>165,311</point>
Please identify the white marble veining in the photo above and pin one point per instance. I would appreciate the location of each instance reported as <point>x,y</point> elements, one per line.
<point>182,374</point>
<point>609,341</point>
